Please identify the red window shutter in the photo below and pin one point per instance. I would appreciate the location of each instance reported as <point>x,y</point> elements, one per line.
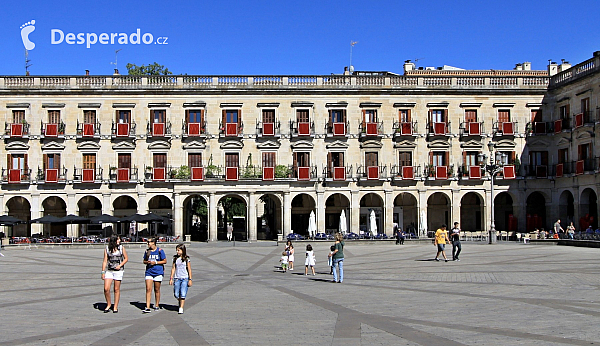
<point>9,160</point>
<point>187,116</point>
<point>239,116</point>
<point>25,165</point>
<point>464,158</point>
<point>330,162</point>
<point>431,157</point>
<point>513,157</point>
<point>45,161</point>
<point>363,119</point>
<point>447,159</point>
<point>56,161</point>
<point>445,115</point>
<point>342,159</point>
<point>344,116</point>
<point>224,117</point>
<point>295,157</point>
<point>568,110</point>
<point>408,118</point>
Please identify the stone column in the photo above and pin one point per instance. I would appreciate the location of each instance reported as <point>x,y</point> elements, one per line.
<point>36,212</point>
<point>252,217</point>
<point>72,230</point>
<point>142,203</point>
<point>212,217</point>
<point>106,205</point>
<point>177,215</point>
<point>487,214</point>
<point>422,202</point>
<point>320,212</point>
<point>354,212</point>
<point>455,208</point>
<point>389,213</point>
<point>287,214</point>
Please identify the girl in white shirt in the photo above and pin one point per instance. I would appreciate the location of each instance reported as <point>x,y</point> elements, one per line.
<point>181,275</point>
<point>310,260</point>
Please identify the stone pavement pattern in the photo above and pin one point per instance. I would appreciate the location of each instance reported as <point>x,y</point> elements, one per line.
<point>504,294</point>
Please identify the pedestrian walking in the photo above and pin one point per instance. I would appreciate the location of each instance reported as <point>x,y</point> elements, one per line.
<point>441,238</point>
<point>154,259</point>
<point>181,275</point>
<point>310,260</point>
<point>455,238</point>
<point>284,261</point>
<point>571,231</point>
<point>558,230</point>
<point>290,250</point>
<point>338,258</point>
<point>113,266</point>
<point>229,231</point>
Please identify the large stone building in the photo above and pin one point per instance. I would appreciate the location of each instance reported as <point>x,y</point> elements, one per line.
<point>405,147</point>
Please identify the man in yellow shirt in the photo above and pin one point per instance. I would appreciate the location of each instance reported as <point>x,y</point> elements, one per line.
<point>441,238</point>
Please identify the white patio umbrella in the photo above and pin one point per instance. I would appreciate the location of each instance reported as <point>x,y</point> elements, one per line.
<point>423,224</point>
<point>343,225</point>
<point>312,225</point>
<point>373,223</point>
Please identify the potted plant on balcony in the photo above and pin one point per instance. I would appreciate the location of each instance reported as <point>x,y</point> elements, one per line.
<point>183,172</point>
<point>211,169</point>
<point>282,171</point>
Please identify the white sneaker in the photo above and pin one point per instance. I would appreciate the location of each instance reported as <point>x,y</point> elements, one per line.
<point>180,311</point>
<point>1,255</point>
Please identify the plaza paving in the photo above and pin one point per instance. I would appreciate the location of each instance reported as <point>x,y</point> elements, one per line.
<point>504,294</point>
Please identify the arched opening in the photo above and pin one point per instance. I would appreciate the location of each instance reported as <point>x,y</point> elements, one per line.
<point>536,212</point>
<point>471,210</point>
<point>438,212</point>
<point>302,205</point>
<point>124,206</point>
<point>161,205</point>
<point>588,209</point>
<point>232,208</point>
<point>20,208</point>
<point>503,213</point>
<point>195,218</point>
<point>55,206</point>
<point>566,208</point>
<point>90,206</point>
<point>268,211</point>
<point>371,202</point>
<point>406,213</point>
<point>333,210</point>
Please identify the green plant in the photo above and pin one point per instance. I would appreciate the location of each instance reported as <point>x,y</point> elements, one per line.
<point>282,171</point>
<point>212,170</point>
<point>250,172</point>
<point>183,172</point>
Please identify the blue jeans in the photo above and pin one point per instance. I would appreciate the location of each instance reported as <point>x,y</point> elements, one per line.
<point>338,262</point>
<point>180,288</point>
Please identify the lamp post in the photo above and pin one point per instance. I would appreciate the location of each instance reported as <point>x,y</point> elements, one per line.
<point>493,167</point>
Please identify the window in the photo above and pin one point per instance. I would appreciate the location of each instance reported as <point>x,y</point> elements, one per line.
<point>89,161</point>
<point>470,158</point>
<point>268,159</point>
<point>405,158</point>
<point>371,159</point>
<point>370,115</point>
<point>157,116</point>
<point>54,117</point>
<point>17,161</point>
<point>195,160</point>
<point>89,117</point>
<point>536,115</point>
<point>438,115</point>
<point>585,105</point>
<point>538,158</point>
<point>231,160</point>
<point>51,161</point>
<point>18,116</point>
<point>301,159</point>
<point>563,156</point>
<point>268,115</point>
<point>504,115</point>
<point>584,151</point>
<point>124,161</point>
<point>123,116</point>
<point>439,158</point>
<point>159,160</point>
<point>404,115</point>
<point>231,116</point>
<point>563,112</point>
<point>510,157</point>
<point>194,116</point>
<point>335,159</point>
<point>471,116</point>
<point>302,115</point>
<point>337,115</point>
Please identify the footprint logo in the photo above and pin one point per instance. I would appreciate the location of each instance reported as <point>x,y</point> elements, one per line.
<point>27,29</point>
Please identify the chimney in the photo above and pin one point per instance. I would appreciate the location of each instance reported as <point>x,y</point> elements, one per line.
<point>564,65</point>
<point>552,68</point>
<point>518,67</point>
<point>87,72</point>
<point>526,66</point>
<point>116,72</point>
<point>408,66</point>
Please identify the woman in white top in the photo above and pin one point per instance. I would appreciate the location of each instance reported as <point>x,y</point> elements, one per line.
<point>181,275</point>
<point>310,260</point>
<point>290,249</point>
<point>113,265</point>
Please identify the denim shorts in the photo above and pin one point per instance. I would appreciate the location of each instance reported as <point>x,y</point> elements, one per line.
<point>180,288</point>
<point>441,247</point>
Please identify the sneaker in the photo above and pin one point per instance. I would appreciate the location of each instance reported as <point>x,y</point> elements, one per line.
<point>437,259</point>
<point>457,260</point>
<point>180,311</point>
<point>147,311</point>
<point>1,255</point>
<point>156,308</point>
<point>446,260</point>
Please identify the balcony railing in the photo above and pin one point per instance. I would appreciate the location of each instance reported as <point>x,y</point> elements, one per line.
<point>540,127</point>
<point>88,130</point>
<point>337,129</point>
<point>372,172</point>
<point>16,176</point>
<point>52,175</point>
<point>371,129</point>
<point>158,129</point>
<point>268,129</point>
<point>53,130</point>
<point>87,175</point>
<point>405,129</point>
<point>562,125</point>
<point>538,171</point>
<point>338,173</point>
<point>302,129</point>
<point>193,129</point>
<point>231,129</point>
<point>470,172</point>
<point>306,173</point>
<point>123,130</point>
<point>123,175</point>
<point>438,129</point>
<point>471,129</point>
<point>505,128</point>
<point>405,172</point>
<point>439,172</point>
<point>16,130</point>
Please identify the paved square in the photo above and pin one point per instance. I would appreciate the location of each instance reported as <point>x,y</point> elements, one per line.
<point>504,294</point>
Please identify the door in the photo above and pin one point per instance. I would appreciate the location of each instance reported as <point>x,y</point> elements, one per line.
<point>406,165</point>
<point>89,123</point>
<point>195,164</point>
<point>51,167</point>
<point>53,121</point>
<point>231,166</point>
<point>372,164</point>
<point>124,167</point>
<point>302,117</point>
<point>158,119</point>
<point>268,120</point>
<point>89,168</point>
<point>268,162</point>
<point>302,165</point>
<point>195,118</point>
<point>160,166</point>
<point>123,121</point>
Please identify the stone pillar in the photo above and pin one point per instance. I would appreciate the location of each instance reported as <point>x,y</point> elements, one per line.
<point>252,217</point>
<point>72,230</point>
<point>36,212</point>
<point>287,214</point>
<point>389,213</point>
<point>142,204</point>
<point>354,212</point>
<point>177,215</point>
<point>106,205</point>
<point>455,208</point>
<point>320,212</point>
<point>422,211</point>
<point>487,213</point>
<point>576,215</point>
<point>212,217</point>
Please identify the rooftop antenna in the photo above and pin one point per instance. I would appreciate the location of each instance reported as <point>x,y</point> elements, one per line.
<point>27,62</point>
<point>350,67</point>
<point>416,60</point>
<point>115,63</point>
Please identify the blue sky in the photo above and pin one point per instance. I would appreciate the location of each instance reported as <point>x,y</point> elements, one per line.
<point>300,37</point>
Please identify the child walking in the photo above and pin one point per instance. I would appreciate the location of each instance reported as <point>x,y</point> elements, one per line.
<point>330,259</point>
<point>181,275</point>
<point>154,259</point>
<point>310,260</point>
<point>284,261</point>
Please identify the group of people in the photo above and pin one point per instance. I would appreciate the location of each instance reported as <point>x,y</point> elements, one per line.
<point>113,266</point>
<point>441,239</point>
<point>335,258</point>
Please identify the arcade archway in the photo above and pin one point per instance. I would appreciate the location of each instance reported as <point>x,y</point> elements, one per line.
<point>55,206</point>
<point>302,205</point>
<point>20,208</point>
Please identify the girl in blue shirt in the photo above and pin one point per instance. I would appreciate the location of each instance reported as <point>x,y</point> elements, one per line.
<point>154,259</point>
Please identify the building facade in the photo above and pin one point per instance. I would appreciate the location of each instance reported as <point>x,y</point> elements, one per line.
<point>405,147</point>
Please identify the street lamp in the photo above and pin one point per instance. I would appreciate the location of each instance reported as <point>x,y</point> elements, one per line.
<point>494,167</point>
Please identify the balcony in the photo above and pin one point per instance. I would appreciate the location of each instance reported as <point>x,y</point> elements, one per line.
<point>232,174</point>
<point>305,173</point>
<point>586,165</point>
<point>402,129</point>
<point>197,173</point>
<point>337,129</point>
<point>158,129</point>
<point>231,130</point>
<point>123,175</point>
<point>471,172</point>
<point>53,130</point>
<point>509,172</point>
<point>471,129</point>
<point>438,129</point>
<point>372,172</point>
<point>52,175</point>
<point>537,171</point>
<point>585,118</point>
<point>302,129</point>
<point>18,130</point>
<point>87,175</point>
<point>405,172</point>
<point>268,129</point>
<point>439,172</point>
<point>343,173</point>
<point>540,128</point>
<point>193,129</point>
<point>16,176</point>
<point>505,128</point>
<point>562,125</point>
<point>123,130</point>
<point>88,130</point>
<point>371,129</point>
